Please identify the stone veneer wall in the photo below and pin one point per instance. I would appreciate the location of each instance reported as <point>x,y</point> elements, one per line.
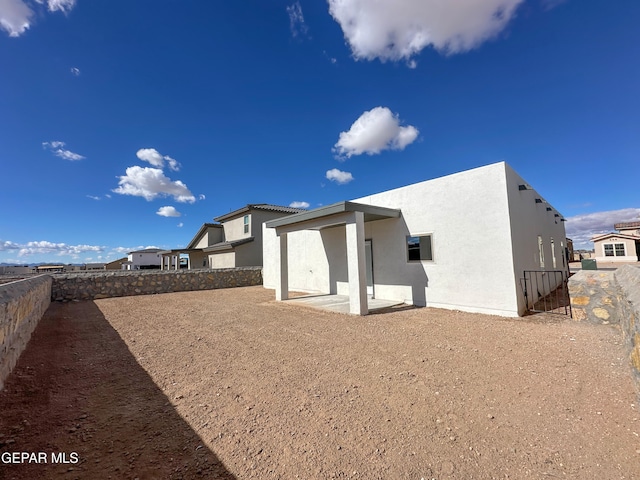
<point>22,305</point>
<point>610,297</point>
<point>105,284</point>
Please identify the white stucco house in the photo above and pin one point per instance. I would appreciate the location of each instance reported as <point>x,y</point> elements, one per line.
<point>235,241</point>
<point>461,242</point>
<point>623,246</point>
<point>149,258</point>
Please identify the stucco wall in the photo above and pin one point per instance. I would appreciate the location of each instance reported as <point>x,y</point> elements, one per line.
<point>22,304</point>
<point>222,260</point>
<point>234,229</point>
<point>529,219</point>
<point>467,214</point>
<point>91,286</point>
<point>210,236</point>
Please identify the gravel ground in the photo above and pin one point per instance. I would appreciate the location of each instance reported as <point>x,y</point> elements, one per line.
<point>230,384</point>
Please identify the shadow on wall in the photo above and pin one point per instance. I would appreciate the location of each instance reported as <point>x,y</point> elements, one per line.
<point>81,390</point>
<point>390,265</point>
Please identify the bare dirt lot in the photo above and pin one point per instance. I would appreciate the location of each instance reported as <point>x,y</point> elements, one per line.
<point>230,384</point>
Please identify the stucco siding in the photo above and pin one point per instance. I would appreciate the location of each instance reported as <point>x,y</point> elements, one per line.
<point>308,259</point>
<point>234,229</point>
<point>468,216</point>
<point>528,220</point>
<point>222,260</point>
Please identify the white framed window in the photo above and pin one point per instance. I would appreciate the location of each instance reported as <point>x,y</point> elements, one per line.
<point>553,253</point>
<point>614,250</point>
<point>541,251</point>
<point>246,224</point>
<point>420,248</point>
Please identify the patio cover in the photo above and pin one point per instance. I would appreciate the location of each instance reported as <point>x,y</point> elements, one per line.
<point>351,214</point>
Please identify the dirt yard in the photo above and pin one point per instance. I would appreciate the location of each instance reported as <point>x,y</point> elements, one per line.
<point>230,384</point>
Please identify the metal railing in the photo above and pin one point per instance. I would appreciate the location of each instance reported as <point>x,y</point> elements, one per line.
<point>546,291</point>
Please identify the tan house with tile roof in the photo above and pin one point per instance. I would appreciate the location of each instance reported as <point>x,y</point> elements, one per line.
<point>235,241</point>
<point>623,246</point>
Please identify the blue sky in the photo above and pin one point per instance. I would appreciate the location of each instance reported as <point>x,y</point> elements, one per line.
<point>126,124</point>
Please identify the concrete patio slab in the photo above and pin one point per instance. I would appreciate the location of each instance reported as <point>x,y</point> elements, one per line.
<point>339,303</point>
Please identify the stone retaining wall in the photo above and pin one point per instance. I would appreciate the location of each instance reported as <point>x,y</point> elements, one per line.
<point>22,305</point>
<point>105,284</point>
<point>610,297</point>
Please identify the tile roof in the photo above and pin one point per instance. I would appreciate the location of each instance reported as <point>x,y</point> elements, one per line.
<point>258,206</point>
<point>626,225</point>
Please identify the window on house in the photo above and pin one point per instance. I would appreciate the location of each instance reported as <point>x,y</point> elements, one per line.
<point>246,224</point>
<point>614,249</point>
<point>541,251</point>
<point>553,253</point>
<point>419,248</point>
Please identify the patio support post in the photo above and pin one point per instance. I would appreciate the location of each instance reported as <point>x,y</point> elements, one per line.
<point>356,265</point>
<point>282,286</point>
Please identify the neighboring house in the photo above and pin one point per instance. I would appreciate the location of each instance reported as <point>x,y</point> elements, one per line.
<point>116,264</point>
<point>619,247</point>
<point>459,242</point>
<point>53,268</point>
<point>236,241</point>
<point>94,266</point>
<point>149,258</point>
<point>16,269</point>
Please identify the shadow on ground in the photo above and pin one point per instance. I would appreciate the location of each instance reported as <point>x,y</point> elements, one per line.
<point>77,390</point>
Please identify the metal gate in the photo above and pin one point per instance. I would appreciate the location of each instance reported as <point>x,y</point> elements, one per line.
<point>546,291</point>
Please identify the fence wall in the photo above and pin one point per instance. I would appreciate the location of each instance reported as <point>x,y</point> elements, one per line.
<point>22,304</point>
<point>611,297</point>
<point>105,284</point>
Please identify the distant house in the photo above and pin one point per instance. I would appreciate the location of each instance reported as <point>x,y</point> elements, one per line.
<point>460,242</point>
<point>116,264</point>
<point>16,269</point>
<point>51,268</point>
<point>149,258</point>
<point>623,246</point>
<point>235,241</point>
<point>93,266</point>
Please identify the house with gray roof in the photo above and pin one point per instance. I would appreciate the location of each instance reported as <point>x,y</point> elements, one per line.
<point>235,240</point>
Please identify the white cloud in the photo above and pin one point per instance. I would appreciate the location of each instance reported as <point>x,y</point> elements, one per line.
<point>68,155</point>
<point>581,228</point>
<point>398,29</point>
<point>550,4</point>
<point>154,157</point>
<point>339,176</point>
<point>132,249</point>
<point>168,211</point>
<point>296,20</point>
<point>75,71</point>
<point>180,225</point>
<point>58,151</point>
<point>201,196</point>
<point>297,204</point>
<point>45,247</point>
<point>376,130</point>
<point>93,197</point>
<point>63,6</point>
<point>15,15</point>
<point>151,183</point>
